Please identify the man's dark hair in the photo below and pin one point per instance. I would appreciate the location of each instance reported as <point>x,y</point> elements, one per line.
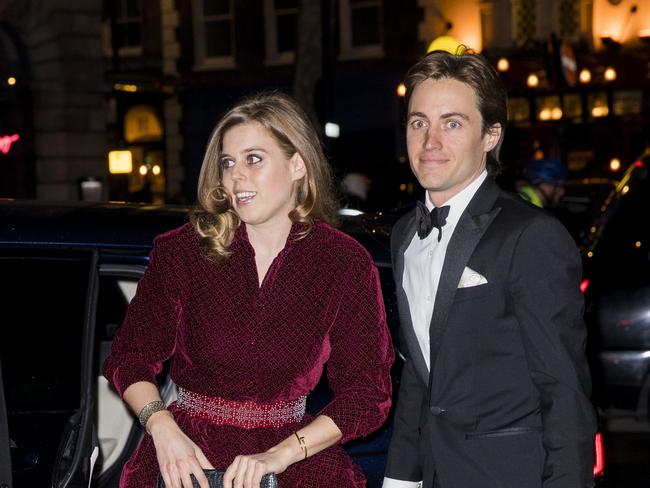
<point>476,71</point>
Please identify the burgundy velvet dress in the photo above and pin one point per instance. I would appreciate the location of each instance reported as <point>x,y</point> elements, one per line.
<point>226,336</point>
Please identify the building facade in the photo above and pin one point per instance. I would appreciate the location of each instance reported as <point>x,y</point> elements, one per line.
<point>117,98</point>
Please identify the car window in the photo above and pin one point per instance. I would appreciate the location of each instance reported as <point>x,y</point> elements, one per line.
<point>621,253</point>
<point>580,205</point>
<point>113,420</point>
<point>43,303</point>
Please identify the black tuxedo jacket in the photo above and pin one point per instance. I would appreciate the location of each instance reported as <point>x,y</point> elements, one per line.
<point>506,403</point>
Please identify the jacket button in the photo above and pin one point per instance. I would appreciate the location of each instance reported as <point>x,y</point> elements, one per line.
<point>436,410</point>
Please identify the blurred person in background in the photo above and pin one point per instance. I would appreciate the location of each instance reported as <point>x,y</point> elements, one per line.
<point>545,180</point>
<point>355,188</point>
<point>250,302</point>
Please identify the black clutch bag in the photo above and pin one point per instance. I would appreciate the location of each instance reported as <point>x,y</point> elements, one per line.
<point>215,480</point>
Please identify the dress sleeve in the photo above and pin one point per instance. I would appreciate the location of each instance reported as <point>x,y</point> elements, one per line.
<point>361,357</point>
<point>147,336</point>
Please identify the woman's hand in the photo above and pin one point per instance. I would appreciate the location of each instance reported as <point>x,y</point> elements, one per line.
<point>178,456</point>
<point>247,471</point>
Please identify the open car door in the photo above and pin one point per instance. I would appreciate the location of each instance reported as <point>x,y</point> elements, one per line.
<point>46,346</point>
<point>5,451</point>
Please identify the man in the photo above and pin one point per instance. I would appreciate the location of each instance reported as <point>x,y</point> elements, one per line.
<point>545,180</point>
<point>495,388</point>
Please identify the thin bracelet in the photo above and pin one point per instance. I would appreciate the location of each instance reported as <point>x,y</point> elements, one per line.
<point>301,441</point>
<point>148,410</point>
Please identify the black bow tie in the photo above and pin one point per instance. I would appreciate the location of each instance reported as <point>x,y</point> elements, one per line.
<point>425,221</point>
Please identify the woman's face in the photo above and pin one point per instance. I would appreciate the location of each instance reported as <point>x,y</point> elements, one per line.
<point>258,175</point>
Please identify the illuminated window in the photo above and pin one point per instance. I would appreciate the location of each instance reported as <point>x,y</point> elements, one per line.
<point>598,105</point>
<point>549,108</point>
<point>628,102</point>
<point>518,110</point>
<point>361,29</point>
<point>572,106</point>
<point>524,21</point>
<point>281,30</point>
<point>214,34</point>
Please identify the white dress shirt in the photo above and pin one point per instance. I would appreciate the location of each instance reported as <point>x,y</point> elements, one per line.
<point>423,262</point>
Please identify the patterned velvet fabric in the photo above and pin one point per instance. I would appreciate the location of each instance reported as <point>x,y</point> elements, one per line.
<point>226,336</point>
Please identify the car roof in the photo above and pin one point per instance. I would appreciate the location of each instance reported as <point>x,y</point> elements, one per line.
<point>128,227</point>
<point>111,225</point>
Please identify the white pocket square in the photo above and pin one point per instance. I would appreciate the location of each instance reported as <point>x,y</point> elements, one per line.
<point>471,278</point>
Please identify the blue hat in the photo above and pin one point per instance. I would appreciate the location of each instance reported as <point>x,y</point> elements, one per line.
<point>552,170</point>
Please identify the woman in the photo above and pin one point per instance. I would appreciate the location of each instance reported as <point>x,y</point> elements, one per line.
<point>249,302</point>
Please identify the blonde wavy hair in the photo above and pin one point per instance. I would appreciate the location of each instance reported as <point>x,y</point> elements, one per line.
<point>214,217</point>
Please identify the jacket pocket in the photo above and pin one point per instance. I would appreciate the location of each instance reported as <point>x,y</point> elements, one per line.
<point>487,434</point>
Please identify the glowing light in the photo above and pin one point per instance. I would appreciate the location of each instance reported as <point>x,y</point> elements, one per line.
<point>503,64</point>
<point>615,164</point>
<point>600,111</point>
<point>533,80</point>
<point>350,212</point>
<point>401,90</point>
<point>610,74</point>
<point>599,462</point>
<point>142,170</point>
<point>584,284</point>
<point>11,81</point>
<point>590,254</point>
<point>120,162</point>
<point>625,189</point>
<point>545,114</point>
<point>156,170</point>
<point>444,43</point>
<point>6,142</point>
<point>585,76</point>
<point>637,244</point>
<point>126,87</point>
<point>402,187</point>
<point>332,130</point>
<point>556,113</point>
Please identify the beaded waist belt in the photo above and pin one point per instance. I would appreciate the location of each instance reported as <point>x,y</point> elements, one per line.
<point>245,414</point>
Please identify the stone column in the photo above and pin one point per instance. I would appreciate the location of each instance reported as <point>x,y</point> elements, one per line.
<point>64,41</point>
<point>173,111</point>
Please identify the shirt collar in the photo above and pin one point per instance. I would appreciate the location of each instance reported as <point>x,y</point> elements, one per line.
<point>458,203</point>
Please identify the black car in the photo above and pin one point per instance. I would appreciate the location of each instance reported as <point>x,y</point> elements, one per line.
<point>616,252</point>
<point>69,271</point>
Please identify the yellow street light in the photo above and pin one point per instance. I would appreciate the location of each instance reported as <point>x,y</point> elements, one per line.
<point>142,170</point>
<point>11,81</point>
<point>615,164</point>
<point>533,80</point>
<point>585,76</point>
<point>401,90</point>
<point>156,170</point>
<point>610,74</point>
<point>503,64</point>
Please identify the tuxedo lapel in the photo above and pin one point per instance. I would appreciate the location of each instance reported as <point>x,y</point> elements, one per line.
<point>408,333</point>
<point>470,228</point>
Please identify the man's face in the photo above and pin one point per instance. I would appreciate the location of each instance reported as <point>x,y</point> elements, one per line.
<point>443,136</point>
